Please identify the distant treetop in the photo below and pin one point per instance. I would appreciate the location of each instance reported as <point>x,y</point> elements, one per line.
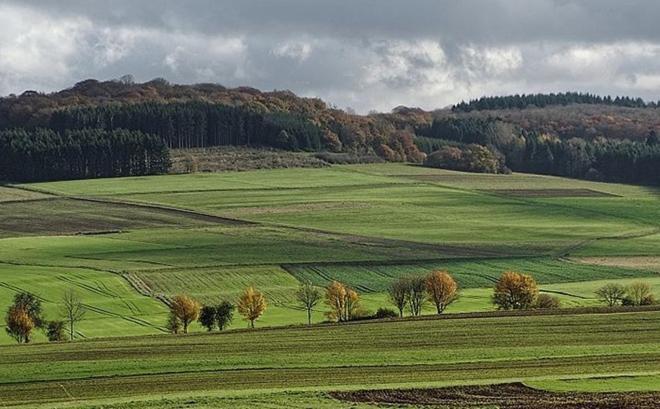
<point>542,100</point>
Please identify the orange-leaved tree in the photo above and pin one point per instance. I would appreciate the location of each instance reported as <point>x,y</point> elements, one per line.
<point>19,324</point>
<point>251,304</point>
<point>343,301</point>
<point>442,289</point>
<point>515,291</point>
<point>185,309</point>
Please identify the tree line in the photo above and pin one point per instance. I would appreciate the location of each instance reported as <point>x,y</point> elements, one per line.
<point>507,147</point>
<point>543,100</point>
<point>44,154</point>
<point>197,124</point>
<point>411,294</point>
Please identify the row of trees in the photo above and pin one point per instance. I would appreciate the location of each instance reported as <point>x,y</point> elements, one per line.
<point>184,310</point>
<point>637,293</point>
<point>542,100</point>
<point>43,154</point>
<point>26,315</point>
<point>197,124</point>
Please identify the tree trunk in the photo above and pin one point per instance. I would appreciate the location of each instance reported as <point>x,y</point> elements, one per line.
<point>309,316</point>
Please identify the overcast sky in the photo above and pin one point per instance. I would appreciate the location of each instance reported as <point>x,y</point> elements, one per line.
<point>364,54</point>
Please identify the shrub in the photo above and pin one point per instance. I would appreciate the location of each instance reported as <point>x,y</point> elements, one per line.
<point>55,331</point>
<point>386,313</point>
<point>547,301</point>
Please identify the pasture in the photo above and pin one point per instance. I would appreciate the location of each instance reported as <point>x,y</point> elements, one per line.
<point>293,367</point>
<point>212,234</point>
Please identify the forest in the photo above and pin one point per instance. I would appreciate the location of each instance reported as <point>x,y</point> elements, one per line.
<point>601,159</point>
<point>543,100</point>
<point>570,134</point>
<point>43,154</point>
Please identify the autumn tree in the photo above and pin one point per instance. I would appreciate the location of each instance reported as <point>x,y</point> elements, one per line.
<point>19,324</point>
<point>442,289</point>
<point>417,297</point>
<point>308,296</point>
<point>185,309</point>
<point>335,299</point>
<point>207,317</point>
<point>32,306</point>
<point>251,305</point>
<point>515,291</point>
<point>611,294</point>
<point>72,309</point>
<point>224,313</point>
<point>352,304</point>
<point>343,301</point>
<point>399,294</point>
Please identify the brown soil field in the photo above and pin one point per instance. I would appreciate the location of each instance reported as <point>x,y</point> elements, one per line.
<point>549,192</point>
<point>503,396</point>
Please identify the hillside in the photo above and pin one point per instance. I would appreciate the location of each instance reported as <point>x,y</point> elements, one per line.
<point>128,243</point>
<point>605,140</point>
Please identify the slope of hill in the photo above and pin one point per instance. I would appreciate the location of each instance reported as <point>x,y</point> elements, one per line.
<point>126,244</point>
<point>604,141</point>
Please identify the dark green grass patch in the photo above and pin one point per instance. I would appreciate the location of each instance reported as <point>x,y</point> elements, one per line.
<point>474,273</point>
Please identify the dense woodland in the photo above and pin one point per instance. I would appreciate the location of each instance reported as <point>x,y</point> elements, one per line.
<point>43,154</point>
<point>569,134</point>
<point>599,159</point>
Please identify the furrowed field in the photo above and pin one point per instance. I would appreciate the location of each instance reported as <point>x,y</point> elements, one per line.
<point>293,367</point>
<point>127,244</point>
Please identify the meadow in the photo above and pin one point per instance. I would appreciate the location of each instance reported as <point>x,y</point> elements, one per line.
<point>294,366</point>
<point>212,234</point>
<point>127,244</point>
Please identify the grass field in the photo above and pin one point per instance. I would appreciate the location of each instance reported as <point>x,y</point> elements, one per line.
<point>127,244</point>
<point>290,366</point>
<point>212,234</point>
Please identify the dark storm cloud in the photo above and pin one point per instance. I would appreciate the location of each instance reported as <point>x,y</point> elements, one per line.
<point>367,54</point>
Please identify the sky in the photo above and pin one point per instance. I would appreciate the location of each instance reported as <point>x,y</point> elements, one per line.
<point>360,54</point>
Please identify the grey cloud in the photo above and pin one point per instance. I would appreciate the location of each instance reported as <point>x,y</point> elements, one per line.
<point>367,53</point>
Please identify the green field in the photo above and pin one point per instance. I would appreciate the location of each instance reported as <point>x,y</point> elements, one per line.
<point>291,367</point>
<point>127,244</point>
<point>212,234</point>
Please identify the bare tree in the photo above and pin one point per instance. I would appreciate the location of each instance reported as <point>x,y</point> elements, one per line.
<point>308,296</point>
<point>611,294</point>
<point>73,310</point>
<point>417,296</point>
<point>399,293</point>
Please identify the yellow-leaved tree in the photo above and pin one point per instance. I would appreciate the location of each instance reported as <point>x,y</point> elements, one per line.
<point>515,291</point>
<point>184,309</point>
<point>343,301</point>
<point>442,289</point>
<point>251,305</point>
